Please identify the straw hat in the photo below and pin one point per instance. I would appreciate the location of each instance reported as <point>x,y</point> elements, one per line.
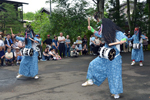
<point>17,48</point>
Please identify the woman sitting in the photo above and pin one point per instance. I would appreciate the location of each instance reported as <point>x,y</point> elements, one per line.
<point>84,50</point>
<point>45,55</point>
<point>53,54</point>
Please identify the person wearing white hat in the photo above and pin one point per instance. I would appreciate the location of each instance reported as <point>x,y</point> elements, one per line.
<point>18,55</point>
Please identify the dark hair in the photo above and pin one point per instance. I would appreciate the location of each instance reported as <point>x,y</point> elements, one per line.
<point>96,15</point>
<point>51,49</point>
<point>140,32</point>
<point>109,30</point>
<point>28,30</point>
<point>55,36</point>
<point>7,34</point>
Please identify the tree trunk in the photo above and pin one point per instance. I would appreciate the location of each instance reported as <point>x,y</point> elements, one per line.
<point>128,14</point>
<point>148,2</point>
<point>135,10</point>
<point>118,12</point>
<point>100,8</point>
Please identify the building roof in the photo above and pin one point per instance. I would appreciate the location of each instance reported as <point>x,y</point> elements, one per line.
<point>13,2</point>
<point>46,10</point>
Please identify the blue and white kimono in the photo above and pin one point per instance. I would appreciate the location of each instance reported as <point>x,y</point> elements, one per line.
<point>137,54</point>
<point>101,68</point>
<point>29,64</point>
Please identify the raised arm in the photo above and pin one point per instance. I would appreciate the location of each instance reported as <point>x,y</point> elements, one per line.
<point>95,32</point>
<point>20,38</point>
<point>131,38</point>
<point>144,37</point>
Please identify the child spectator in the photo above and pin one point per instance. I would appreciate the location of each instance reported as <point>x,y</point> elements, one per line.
<point>73,51</point>
<point>9,57</point>
<point>84,50</point>
<point>53,55</point>
<point>18,55</point>
<point>45,55</point>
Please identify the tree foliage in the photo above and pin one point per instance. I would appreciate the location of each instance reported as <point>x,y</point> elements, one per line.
<point>69,18</point>
<point>9,18</point>
<point>28,16</point>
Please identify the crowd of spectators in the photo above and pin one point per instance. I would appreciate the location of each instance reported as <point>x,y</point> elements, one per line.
<point>56,48</point>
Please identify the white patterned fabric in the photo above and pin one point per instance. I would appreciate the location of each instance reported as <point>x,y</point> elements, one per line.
<point>100,68</point>
<point>137,54</point>
<point>29,64</point>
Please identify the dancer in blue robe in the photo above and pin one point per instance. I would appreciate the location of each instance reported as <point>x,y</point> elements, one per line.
<point>101,68</point>
<point>137,53</point>
<point>29,64</point>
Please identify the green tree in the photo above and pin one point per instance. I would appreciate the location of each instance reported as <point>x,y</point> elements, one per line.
<point>116,14</point>
<point>28,16</point>
<point>9,18</point>
<point>41,24</point>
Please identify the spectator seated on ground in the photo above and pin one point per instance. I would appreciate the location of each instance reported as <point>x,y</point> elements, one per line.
<point>53,54</point>
<point>79,44</point>
<point>84,50</point>
<point>9,57</point>
<point>73,51</point>
<point>45,55</point>
<point>18,55</point>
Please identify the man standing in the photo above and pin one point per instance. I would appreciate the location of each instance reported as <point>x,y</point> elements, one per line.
<point>48,41</point>
<point>61,40</point>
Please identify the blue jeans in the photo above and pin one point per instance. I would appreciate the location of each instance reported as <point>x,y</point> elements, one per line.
<point>67,50</point>
<point>45,57</point>
<point>19,58</point>
<point>10,60</point>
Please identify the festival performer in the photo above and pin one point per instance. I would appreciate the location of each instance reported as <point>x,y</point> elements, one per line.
<point>29,63</point>
<point>137,50</point>
<point>101,68</point>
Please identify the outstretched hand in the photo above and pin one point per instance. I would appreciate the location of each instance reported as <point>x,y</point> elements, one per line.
<point>13,35</point>
<point>121,42</point>
<point>89,27</point>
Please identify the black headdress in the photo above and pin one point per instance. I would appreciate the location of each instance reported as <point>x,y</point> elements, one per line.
<point>109,30</point>
<point>28,30</point>
<point>137,28</point>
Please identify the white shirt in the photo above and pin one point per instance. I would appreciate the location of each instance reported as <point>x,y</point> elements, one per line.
<point>1,43</point>
<point>97,41</point>
<point>9,55</point>
<point>61,38</point>
<point>16,53</point>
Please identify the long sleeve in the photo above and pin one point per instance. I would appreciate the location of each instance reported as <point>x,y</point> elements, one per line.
<point>20,38</point>
<point>98,35</point>
<point>131,38</point>
<point>120,36</point>
<point>143,37</point>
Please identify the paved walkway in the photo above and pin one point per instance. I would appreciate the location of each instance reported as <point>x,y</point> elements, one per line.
<point>61,80</point>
